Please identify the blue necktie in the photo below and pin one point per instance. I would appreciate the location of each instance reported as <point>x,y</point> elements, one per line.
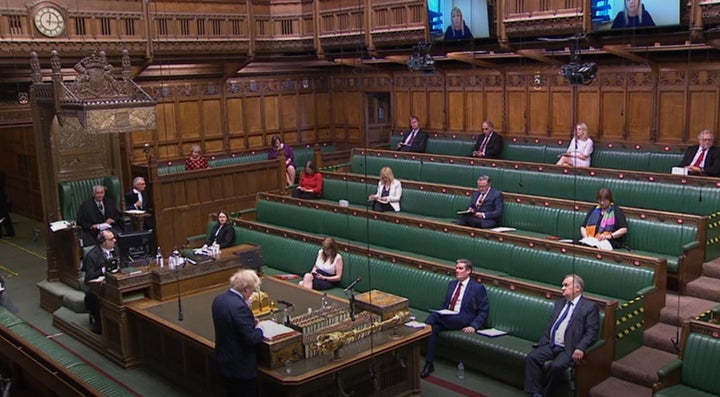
<point>558,322</point>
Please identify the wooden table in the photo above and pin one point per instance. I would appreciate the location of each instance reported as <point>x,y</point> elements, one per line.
<point>379,365</point>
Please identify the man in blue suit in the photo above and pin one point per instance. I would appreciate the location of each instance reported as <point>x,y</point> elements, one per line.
<point>415,139</point>
<point>573,327</point>
<point>485,208</point>
<point>468,300</point>
<point>237,334</point>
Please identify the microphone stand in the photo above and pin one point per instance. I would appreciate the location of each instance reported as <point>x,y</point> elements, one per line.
<point>176,256</point>
<point>352,303</point>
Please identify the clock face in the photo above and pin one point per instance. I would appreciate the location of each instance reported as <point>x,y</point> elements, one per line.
<point>50,21</point>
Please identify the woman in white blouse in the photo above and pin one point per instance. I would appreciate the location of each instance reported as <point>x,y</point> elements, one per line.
<point>579,150</point>
<point>388,194</point>
<point>328,268</point>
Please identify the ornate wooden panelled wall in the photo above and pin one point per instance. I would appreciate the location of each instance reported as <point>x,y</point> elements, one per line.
<point>240,115</point>
<point>624,103</point>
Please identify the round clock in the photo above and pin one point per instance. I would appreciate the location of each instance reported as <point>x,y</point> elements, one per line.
<point>50,21</point>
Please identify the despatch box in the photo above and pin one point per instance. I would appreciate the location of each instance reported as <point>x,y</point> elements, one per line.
<point>275,353</point>
<point>382,303</point>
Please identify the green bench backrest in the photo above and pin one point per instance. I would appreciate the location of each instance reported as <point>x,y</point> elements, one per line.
<point>640,194</point>
<point>528,317</point>
<point>73,193</point>
<point>618,281</point>
<point>65,359</point>
<point>602,157</point>
<point>701,360</point>
<point>665,238</point>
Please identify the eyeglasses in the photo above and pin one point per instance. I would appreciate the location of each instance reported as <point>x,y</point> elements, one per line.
<point>485,129</point>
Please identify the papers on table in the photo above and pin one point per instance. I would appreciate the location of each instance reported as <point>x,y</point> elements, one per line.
<point>272,330</point>
<point>59,225</point>
<point>491,332</point>
<point>593,242</point>
<point>135,212</point>
<point>679,171</point>
<point>503,229</point>
<point>445,312</point>
<point>415,324</point>
<point>97,280</point>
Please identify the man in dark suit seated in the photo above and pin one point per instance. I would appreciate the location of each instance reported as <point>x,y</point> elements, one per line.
<point>415,139</point>
<point>572,329</point>
<point>486,206</point>
<point>468,299</point>
<point>704,158</point>
<point>97,213</point>
<point>100,259</point>
<point>489,144</point>
<point>237,335</point>
<point>137,199</point>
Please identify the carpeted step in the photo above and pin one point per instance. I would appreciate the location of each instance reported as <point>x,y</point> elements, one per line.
<point>681,307</point>
<point>712,269</point>
<point>660,336</point>
<point>614,387</point>
<point>705,288</point>
<point>641,366</point>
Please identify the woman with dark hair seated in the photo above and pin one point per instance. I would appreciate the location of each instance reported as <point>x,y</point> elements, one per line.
<point>328,268</point>
<point>310,183</point>
<point>276,146</point>
<point>222,234</point>
<point>605,222</point>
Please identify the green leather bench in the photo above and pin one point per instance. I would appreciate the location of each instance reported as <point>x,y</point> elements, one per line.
<point>665,240</point>
<point>661,196</point>
<point>302,155</point>
<point>543,152</point>
<point>523,316</point>
<point>694,374</point>
<point>73,193</point>
<point>67,367</point>
<point>628,284</point>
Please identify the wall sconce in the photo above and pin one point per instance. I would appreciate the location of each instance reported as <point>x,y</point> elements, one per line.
<point>23,98</point>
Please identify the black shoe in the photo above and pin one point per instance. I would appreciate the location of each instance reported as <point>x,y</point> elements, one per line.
<point>427,370</point>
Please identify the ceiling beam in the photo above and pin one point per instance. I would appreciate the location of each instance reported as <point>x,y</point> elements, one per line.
<point>538,55</point>
<point>622,52</point>
<point>471,58</point>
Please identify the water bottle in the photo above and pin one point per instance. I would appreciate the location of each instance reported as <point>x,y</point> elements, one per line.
<point>159,258</point>
<point>461,370</point>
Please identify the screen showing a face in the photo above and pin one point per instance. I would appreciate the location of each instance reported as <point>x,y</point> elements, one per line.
<point>458,19</point>
<point>631,14</point>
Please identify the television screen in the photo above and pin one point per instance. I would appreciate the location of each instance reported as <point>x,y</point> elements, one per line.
<point>630,14</point>
<point>134,246</point>
<point>458,19</point>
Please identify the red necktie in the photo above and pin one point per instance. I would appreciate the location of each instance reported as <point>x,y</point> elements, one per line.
<point>455,297</point>
<point>700,158</point>
<point>484,143</point>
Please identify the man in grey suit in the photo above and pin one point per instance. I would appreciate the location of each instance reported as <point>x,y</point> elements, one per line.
<point>573,327</point>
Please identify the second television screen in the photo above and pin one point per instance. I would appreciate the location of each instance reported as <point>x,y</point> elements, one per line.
<point>458,19</point>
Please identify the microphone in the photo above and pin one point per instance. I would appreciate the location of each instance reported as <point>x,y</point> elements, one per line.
<point>352,285</point>
<point>286,303</point>
<point>175,254</point>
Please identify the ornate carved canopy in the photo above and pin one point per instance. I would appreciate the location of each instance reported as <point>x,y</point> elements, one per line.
<point>100,101</point>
